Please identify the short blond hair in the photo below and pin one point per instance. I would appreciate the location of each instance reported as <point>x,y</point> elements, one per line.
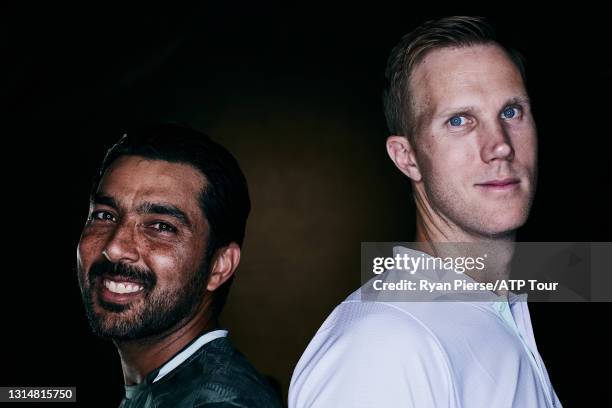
<point>456,31</point>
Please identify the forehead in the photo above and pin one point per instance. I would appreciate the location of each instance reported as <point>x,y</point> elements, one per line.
<point>465,76</point>
<point>132,179</point>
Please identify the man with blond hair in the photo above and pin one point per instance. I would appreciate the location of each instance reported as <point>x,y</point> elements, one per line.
<point>462,131</point>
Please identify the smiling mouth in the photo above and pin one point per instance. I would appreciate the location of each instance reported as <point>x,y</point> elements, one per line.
<point>119,291</point>
<point>122,287</point>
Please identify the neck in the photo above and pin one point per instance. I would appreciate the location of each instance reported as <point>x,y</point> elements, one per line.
<point>140,357</point>
<point>440,237</point>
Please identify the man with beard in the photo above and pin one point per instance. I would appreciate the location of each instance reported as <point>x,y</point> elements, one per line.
<point>462,131</point>
<point>155,260</point>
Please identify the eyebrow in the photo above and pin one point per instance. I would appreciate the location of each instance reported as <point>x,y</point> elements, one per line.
<point>518,100</point>
<point>455,111</point>
<point>146,208</point>
<point>103,199</point>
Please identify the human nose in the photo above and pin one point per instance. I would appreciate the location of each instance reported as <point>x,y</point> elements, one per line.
<point>496,144</point>
<point>121,246</point>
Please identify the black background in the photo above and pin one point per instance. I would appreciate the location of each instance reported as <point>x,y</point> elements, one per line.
<point>294,93</point>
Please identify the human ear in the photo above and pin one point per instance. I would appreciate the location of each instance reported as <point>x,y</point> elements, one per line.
<point>225,263</point>
<point>403,156</point>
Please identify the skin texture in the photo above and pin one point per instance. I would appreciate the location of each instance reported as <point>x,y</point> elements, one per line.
<point>123,229</point>
<point>480,88</point>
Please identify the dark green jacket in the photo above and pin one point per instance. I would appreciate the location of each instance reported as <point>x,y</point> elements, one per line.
<point>217,375</point>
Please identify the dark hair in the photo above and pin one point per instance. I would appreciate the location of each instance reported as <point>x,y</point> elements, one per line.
<point>225,198</point>
<point>457,31</point>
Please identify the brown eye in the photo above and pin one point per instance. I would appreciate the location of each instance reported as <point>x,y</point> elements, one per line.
<point>163,227</point>
<point>103,216</point>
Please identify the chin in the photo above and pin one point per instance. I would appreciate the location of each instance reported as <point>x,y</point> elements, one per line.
<point>497,226</point>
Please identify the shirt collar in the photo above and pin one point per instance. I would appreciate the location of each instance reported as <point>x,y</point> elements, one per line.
<point>188,352</point>
<point>449,274</point>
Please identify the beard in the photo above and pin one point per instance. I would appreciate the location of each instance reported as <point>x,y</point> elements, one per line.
<point>156,311</point>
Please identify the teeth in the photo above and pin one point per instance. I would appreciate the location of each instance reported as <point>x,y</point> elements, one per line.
<point>121,287</point>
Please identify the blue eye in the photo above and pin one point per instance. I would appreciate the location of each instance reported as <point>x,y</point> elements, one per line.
<point>457,121</point>
<point>509,113</point>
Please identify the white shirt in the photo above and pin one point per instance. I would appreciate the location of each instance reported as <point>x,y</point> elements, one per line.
<point>423,354</point>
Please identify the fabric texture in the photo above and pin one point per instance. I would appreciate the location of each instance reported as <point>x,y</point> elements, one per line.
<point>217,375</point>
<point>424,354</point>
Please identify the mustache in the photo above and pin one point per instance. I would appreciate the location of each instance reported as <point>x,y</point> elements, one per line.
<point>105,268</point>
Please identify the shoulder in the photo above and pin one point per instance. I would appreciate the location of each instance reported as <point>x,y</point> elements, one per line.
<point>234,375</point>
<point>220,374</point>
<point>370,345</point>
<point>359,322</point>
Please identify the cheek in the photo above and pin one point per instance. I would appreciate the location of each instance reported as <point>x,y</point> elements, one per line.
<point>448,165</point>
<point>526,151</point>
<point>529,149</point>
<point>164,264</point>
<point>170,262</point>
<point>90,247</point>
